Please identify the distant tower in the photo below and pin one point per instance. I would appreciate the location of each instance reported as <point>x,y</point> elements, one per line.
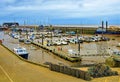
<point>102,27</point>
<point>102,24</point>
<point>106,25</point>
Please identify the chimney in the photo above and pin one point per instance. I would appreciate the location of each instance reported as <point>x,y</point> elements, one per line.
<point>102,24</point>
<point>102,27</point>
<point>106,25</point>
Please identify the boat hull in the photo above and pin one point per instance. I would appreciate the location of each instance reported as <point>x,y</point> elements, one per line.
<point>25,56</point>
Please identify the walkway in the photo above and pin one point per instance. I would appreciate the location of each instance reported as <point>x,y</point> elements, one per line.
<point>12,69</point>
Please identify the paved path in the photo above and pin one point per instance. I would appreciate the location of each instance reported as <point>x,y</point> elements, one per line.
<point>12,69</point>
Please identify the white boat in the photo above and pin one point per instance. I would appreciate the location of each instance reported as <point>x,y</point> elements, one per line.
<point>73,53</point>
<point>116,52</point>
<point>57,43</point>
<point>16,36</point>
<point>64,42</point>
<point>21,51</point>
<point>73,40</point>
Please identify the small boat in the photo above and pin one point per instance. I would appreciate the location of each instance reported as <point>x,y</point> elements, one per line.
<point>27,41</point>
<point>16,36</point>
<point>21,39</point>
<point>21,51</point>
<point>73,53</point>
<point>57,42</point>
<point>73,40</point>
<point>64,42</point>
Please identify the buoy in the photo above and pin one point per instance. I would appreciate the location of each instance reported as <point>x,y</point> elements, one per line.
<point>0,41</point>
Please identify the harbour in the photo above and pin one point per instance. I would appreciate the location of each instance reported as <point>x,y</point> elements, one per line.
<point>40,55</point>
<point>37,55</point>
<point>89,55</point>
<point>59,41</point>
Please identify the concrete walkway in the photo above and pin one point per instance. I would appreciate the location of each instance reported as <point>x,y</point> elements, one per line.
<point>12,69</point>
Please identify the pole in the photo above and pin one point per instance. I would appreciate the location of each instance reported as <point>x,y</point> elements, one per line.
<point>78,44</point>
<point>79,47</point>
<point>102,27</point>
<point>106,26</point>
<point>42,39</point>
<point>51,32</point>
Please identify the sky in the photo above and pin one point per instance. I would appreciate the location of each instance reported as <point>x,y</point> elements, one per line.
<point>60,11</point>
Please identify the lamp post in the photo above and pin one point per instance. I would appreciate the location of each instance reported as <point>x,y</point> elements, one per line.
<point>51,32</point>
<point>102,28</point>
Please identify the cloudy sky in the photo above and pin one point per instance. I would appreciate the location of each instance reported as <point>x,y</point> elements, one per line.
<point>60,11</point>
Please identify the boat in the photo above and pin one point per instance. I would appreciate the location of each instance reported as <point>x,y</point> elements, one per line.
<point>73,53</point>
<point>73,40</point>
<point>57,42</point>
<point>27,41</point>
<point>21,51</point>
<point>64,42</point>
<point>16,36</point>
<point>21,39</point>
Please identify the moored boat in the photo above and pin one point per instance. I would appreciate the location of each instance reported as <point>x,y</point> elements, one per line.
<point>21,39</point>
<point>21,51</point>
<point>27,41</point>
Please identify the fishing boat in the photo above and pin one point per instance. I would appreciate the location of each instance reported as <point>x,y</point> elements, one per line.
<point>21,51</point>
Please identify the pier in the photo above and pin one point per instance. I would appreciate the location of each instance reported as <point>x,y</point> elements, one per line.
<point>58,53</point>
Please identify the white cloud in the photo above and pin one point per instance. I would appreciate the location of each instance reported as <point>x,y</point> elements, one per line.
<point>66,8</point>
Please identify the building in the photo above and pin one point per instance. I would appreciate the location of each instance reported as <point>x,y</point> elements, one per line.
<point>10,24</point>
